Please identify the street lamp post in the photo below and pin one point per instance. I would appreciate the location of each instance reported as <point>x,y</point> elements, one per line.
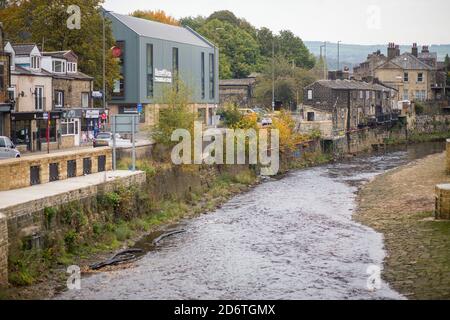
<point>104,62</point>
<point>338,55</point>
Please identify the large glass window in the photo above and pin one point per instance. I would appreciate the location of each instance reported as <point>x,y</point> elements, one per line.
<point>149,71</point>
<point>211,76</point>
<point>175,66</point>
<point>203,75</point>
<point>42,130</point>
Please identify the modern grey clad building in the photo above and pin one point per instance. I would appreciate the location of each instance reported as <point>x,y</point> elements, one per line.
<point>152,56</point>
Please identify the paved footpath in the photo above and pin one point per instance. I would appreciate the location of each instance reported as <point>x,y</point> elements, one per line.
<point>24,195</point>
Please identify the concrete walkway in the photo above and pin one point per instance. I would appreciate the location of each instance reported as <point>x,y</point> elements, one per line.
<point>19,196</point>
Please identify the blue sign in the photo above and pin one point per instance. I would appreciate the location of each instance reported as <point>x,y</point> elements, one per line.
<point>139,108</point>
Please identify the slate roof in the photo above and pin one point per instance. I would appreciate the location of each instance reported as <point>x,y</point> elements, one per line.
<point>18,70</point>
<point>237,82</point>
<point>351,85</point>
<point>157,30</point>
<point>23,49</point>
<point>58,54</point>
<point>406,61</point>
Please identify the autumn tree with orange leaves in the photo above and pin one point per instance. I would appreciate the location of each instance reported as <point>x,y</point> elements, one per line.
<point>156,15</point>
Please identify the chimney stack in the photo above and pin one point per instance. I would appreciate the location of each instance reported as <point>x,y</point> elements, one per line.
<point>415,50</point>
<point>391,51</point>
<point>425,49</point>
<point>397,50</point>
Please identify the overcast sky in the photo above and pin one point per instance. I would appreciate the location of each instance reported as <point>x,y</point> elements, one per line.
<point>351,21</point>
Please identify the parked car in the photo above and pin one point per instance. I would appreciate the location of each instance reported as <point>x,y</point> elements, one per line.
<point>105,139</point>
<point>8,149</point>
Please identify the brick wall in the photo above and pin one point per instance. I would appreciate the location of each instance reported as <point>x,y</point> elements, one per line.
<point>15,173</point>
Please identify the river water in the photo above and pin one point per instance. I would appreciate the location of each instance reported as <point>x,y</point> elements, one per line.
<point>292,238</point>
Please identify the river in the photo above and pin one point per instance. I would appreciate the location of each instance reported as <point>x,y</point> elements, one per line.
<point>291,238</point>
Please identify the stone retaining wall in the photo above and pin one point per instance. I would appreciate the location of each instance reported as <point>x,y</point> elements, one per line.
<point>3,250</point>
<point>15,173</point>
<point>28,219</point>
<point>448,156</point>
<point>443,201</point>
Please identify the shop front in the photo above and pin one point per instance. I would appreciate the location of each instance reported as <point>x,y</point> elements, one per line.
<point>31,131</point>
<point>93,121</point>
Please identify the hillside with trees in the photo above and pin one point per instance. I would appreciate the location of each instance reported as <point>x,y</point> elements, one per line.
<point>246,49</point>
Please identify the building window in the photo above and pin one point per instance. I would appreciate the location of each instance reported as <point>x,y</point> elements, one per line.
<point>406,77</point>
<point>310,116</point>
<point>71,67</point>
<point>39,98</point>
<point>420,77</point>
<point>203,75</point>
<point>367,95</point>
<point>85,100</point>
<point>361,95</point>
<point>421,95</point>
<point>405,95</point>
<point>310,94</point>
<point>59,99</point>
<point>35,62</point>
<point>59,66</point>
<point>212,76</point>
<point>68,127</point>
<point>175,65</point>
<point>149,71</point>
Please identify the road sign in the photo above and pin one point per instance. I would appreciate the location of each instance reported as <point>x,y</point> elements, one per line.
<point>139,108</point>
<point>123,123</point>
<point>127,124</point>
<point>45,115</point>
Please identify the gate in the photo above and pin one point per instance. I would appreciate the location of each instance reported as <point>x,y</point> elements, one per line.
<point>101,163</point>
<point>71,169</point>
<point>35,175</point>
<point>87,166</point>
<point>53,172</point>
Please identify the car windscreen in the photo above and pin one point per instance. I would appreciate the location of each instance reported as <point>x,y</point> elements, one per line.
<point>105,136</point>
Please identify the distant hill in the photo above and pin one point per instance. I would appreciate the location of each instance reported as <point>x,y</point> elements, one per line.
<point>353,54</point>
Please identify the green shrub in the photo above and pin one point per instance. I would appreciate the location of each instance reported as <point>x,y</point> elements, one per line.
<point>122,232</point>
<point>49,214</point>
<point>70,239</point>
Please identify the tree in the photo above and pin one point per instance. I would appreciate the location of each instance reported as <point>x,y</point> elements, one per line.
<point>45,22</point>
<point>193,22</point>
<point>177,114</point>
<point>241,51</point>
<point>289,83</point>
<point>156,15</point>
<point>293,49</point>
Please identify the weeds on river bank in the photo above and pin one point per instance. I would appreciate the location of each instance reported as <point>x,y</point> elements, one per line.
<point>76,232</point>
<point>418,138</point>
